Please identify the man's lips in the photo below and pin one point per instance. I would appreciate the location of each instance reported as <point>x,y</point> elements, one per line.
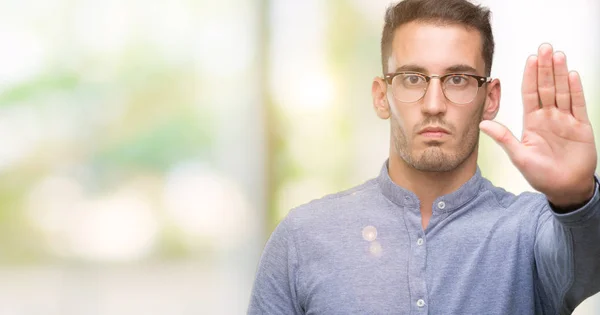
<point>433,132</point>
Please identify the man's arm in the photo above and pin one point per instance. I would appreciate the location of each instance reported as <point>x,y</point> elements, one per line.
<point>557,156</point>
<point>274,290</point>
<point>567,255</point>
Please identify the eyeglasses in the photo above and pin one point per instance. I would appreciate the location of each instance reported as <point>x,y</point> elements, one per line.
<point>458,88</point>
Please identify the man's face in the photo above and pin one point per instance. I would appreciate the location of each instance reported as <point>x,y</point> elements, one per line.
<point>435,50</point>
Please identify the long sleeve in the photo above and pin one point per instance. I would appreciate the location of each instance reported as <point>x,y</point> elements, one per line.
<point>274,289</point>
<point>567,256</point>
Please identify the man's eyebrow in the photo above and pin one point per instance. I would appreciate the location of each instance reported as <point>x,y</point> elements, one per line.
<point>411,68</point>
<point>461,68</point>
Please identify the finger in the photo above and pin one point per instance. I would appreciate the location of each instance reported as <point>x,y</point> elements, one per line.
<point>503,137</point>
<point>546,87</point>
<point>529,89</point>
<point>561,82</point>
<point>578,106</point>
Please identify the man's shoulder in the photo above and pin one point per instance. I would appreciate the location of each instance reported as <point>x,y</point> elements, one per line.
<point>336,206</point>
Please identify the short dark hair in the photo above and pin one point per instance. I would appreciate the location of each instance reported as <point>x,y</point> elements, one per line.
<point>441,12</point>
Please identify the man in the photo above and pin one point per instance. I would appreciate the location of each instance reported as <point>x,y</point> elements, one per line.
<point>430,235</point>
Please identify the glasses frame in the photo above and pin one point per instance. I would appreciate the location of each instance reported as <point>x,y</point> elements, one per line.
<point>388,78</point>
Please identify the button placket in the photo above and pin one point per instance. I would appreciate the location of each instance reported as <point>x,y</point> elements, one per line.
<point>417,263</point>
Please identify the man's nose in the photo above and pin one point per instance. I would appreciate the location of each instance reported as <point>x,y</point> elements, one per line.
<point>434,101</point>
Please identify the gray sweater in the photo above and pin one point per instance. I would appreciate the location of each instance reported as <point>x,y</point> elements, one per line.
<point>485,251</point>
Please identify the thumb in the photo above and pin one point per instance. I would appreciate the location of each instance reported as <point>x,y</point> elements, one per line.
<point>502,136</point>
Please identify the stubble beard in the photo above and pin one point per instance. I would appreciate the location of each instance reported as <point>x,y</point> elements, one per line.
<point>433,158</point>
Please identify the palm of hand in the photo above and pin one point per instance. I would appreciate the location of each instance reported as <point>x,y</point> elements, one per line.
<point>557,151</point>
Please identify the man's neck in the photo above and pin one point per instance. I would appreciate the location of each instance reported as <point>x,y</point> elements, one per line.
<point>430,185</point>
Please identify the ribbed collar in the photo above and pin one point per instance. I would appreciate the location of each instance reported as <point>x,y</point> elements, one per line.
<point>403,197</point>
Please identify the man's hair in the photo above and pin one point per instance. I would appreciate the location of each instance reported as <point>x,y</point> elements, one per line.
<point>439,12</point>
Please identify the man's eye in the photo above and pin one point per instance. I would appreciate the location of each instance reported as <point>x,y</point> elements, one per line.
<point>457,80</point>
<point>413,79</point>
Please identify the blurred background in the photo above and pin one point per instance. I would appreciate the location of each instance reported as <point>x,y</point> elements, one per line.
<point>149,148</point>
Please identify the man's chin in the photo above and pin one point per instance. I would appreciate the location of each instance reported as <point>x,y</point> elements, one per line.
<point>434,159</point>
<point>433,167</point>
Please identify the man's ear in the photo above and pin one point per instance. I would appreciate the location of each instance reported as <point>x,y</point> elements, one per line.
<point>492,101</point>
<point>380,102</point>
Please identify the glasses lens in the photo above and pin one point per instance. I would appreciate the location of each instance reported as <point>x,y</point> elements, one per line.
<point>460,89</point>
<point>409,87</point>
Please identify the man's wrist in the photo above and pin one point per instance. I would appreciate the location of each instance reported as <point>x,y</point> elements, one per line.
<point>572,202</point>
